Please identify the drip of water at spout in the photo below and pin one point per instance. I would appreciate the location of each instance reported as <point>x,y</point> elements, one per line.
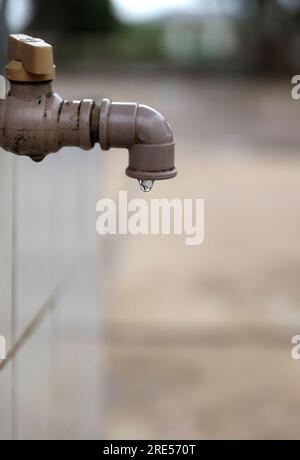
<point>146,185</point>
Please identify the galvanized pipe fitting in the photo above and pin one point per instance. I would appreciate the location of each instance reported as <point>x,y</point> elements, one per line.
<point>35,121</point>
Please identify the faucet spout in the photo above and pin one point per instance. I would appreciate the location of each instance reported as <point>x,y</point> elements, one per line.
<point>35,121</point>
<point>144,132</point>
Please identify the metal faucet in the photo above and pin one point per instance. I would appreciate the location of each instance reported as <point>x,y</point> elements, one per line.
<point>35,121</point>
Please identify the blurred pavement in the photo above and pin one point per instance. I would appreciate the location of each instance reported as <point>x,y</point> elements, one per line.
<point>197,339</point>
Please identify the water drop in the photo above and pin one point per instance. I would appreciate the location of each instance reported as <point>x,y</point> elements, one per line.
<point>146,185</point>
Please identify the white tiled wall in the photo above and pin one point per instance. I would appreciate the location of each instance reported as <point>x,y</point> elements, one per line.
<point>56,374</point>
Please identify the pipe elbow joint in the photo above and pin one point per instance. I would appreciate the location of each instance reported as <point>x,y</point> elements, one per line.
<point>152,127</point>
<point>145,133</point>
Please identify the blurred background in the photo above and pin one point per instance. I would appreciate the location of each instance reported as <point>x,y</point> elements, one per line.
<point>144,337</point>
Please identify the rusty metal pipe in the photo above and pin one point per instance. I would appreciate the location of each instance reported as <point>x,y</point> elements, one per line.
<point>34,121</point>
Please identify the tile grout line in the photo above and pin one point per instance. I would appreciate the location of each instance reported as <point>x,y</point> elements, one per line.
<point>46,307</point>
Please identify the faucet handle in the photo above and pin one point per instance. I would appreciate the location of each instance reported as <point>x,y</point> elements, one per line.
<point>30,59</point>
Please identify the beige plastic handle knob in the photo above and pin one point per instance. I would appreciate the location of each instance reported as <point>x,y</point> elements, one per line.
<point>31,59</point>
